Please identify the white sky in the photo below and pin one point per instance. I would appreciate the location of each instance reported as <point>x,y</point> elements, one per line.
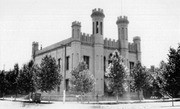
<point>157,22</point>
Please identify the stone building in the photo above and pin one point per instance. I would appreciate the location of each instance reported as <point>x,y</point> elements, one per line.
<point>93,48</point>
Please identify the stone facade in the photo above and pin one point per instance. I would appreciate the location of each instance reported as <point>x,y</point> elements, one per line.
<point>93,48</point>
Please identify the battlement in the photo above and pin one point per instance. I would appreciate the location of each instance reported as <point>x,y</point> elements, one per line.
<point>122,19</point>
<point>136,38</point>
<point>108,43</point>
<point>132,47</point>
<point>76,23</point>
<point>86,38</point>
<point>35,43</point>
<point>97,13</point>
<point>97,10</point>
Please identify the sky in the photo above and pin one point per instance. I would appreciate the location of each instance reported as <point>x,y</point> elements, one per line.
<point>157,22</point>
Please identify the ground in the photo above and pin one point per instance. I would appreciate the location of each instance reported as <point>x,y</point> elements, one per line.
<point>7,104</point>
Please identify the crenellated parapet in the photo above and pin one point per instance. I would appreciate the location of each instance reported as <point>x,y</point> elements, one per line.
<point>109,43</point>
<point>122,19</point>
<point>97,13</point>
<point>132,47</point>
<point>86,38</point>
<point>76,23</point>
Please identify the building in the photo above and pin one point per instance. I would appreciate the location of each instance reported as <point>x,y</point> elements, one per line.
<point>92,48</point>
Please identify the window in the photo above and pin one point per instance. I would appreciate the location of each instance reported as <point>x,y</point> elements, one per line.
<point>126,34</point>
<point>86,59</point>
<point>93,27</point>
<point>101,26</point>
<point>104,64</point>
<point>58,88</point>
<point>131,65</point>
<point>59,63</point>
<point>123,36</point>
<point>67,63</point>
<point>110,61</point>
<point>97,27</point>
<point>67,84</point>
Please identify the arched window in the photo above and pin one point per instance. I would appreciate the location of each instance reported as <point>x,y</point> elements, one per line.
<point>101,26</point>
<point>97,27</point>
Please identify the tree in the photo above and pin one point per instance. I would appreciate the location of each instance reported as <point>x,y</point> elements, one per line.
<point>27,79</point>
<point>172,75</point>
<point>82,80</point>
<point>116,74</point>
<point>49,77</point>
<point>140,78</point>
<point>3,84</point>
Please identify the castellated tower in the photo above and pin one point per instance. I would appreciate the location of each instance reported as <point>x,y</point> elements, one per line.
<point>76,44</point>
<point>137,41</point>
<point>35,47</point>
<point>122,24</point>
<point>97,31</point>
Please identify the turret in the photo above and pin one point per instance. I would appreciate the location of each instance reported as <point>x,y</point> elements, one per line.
<point>122,24</point>
<point>97,24</point>
<point>137,41</point>
<point>76,30</point>
<point>35,47</point>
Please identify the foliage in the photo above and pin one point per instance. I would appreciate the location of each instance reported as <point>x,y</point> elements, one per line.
<point>11,77</point>
<point>140,77</point>
<point>172,75</point>
<point>3,83</point>
<point>82,80</point>
<point>49,77</point>
<point>116,74</point>
<point>27,79</point>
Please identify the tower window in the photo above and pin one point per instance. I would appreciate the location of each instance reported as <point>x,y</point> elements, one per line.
<point>126,34</point>
<point>78,33</point>
<point>59,64</point>
<point>86,59</point>
<point>93,28</point>
<point>104,63</point>
<point>101,26</point>
<point>67,63</point>
<point>97,27</point>
<point>123,36</point>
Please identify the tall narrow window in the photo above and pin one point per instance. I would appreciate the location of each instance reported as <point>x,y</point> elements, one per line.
<point>104,64</point>
<point>67,84</point>
<point>78,33</point>
<point>126,34</point>
<point>58,88</point>
<point>101,26</point>
<point>86,59</point>
<point>67,63</point>
<point>59,64</point>
<point>123,36</point>
<point>131,65</point>
<point>97,27</point>
<point>110,60</point>
<point>93,27</point>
